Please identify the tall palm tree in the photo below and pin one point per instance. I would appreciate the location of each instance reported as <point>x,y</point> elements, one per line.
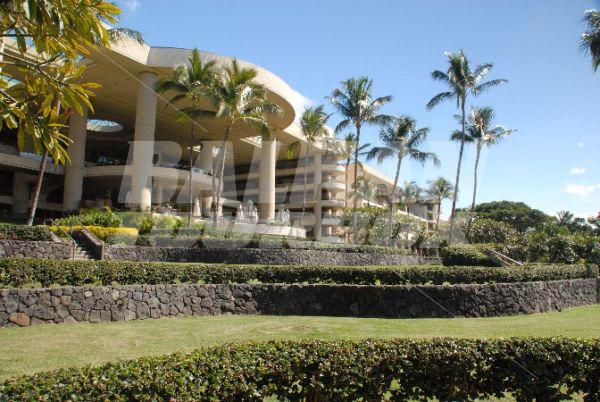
<point>565,218</point>
<point>481,132</point>
<point>190,83</point>
<point>355,102</point>
<point>348,148</point>
<point>313,125</point>
<point>401,138</point>
<point>365,189</point>
<point>440,189</point>
<point>238,99</point>
<point>461,81</point>
<point>590,39</point>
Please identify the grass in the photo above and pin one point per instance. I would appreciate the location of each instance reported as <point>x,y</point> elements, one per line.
<point>46,347</point>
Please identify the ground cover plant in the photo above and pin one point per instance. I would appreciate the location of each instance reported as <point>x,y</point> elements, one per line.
<point>21,232</point>
<point>17,272</point>
<point>543,369</point>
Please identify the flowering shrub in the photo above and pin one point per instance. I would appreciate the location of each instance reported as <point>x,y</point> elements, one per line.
<point>91,217</point>
<point>490,231</point>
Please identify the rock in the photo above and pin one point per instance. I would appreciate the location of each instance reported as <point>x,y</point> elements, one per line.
<point>21,319</point>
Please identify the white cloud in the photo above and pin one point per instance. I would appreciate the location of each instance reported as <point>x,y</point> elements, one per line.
<point>578,170</point>
<point>132,5</point>
<point>581,190</point>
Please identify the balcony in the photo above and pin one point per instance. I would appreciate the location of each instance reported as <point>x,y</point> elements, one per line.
<point>332,203</point>
<point>333,185</point>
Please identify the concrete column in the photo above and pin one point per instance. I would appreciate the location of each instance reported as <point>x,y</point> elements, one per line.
<point>20,193</point>
<point>157,192</point>
<point>205,163</point>
<point>266,179</point>
<point>143,145</point>
<point>318,179</point>
<point>73,184</point>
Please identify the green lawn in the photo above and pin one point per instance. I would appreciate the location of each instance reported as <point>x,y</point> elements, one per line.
<point>45,347</point>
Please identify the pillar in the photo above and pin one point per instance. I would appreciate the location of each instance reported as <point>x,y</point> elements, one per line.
<point>205,163</point>
<point>73,184</point>
<point>143,144</point>
<point>20,192</point>
<point>157,192</point>
<point>318,179</point>
<point>266,179</point>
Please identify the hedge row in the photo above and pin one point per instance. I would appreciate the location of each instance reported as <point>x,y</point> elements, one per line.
<point>468,254</point>
<point>542,369</point>
<point>17,272</point>
<point>22,232</point>
<point>271,242</point>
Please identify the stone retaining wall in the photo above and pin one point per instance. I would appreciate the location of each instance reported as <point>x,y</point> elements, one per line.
<point>264,256</point>
<point>35,249</point>
<point>122,303</point>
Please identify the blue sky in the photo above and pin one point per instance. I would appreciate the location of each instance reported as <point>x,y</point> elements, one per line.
<point>552,98</point>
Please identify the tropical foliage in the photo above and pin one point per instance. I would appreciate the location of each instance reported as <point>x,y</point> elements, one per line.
<point>349,146</point>
<point>355,102</point>
<point>460,81</point>
<point>439,189</point>
<point>590,39</point>
<point>189,84</point>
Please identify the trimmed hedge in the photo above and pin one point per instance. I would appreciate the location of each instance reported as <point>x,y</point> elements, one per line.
<point>271,242</point>
<point>468,254</point>
<point>542,369</point>
<point>17,272</point>
<point>22,232</point>
<point>100,232</point>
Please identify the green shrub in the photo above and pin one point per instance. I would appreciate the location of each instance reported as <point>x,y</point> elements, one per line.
<point>22,232</point>
<point>491,231</point>
<point>91,217</point>
<point>468,254</point>
<point>542,369</point>
<point>257,241</point>
<point>17,272</point>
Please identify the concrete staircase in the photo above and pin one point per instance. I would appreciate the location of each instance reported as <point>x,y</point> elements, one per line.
<point>81,253</point>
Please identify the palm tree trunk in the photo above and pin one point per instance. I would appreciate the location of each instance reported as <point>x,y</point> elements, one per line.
<point>221,169</point>
<point>437,217</point>
<point>391,217</point>
<point>37,189</point>
<point>457,180</point>
<point>474,189</point>
<point>305,184</point>
<point>356,151</point>
<point>191,217</point>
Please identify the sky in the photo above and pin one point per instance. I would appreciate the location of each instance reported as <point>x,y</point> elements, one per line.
<point>551,162</point>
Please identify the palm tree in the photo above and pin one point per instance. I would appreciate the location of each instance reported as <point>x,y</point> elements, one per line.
<point>408,194</point>
<point>190,84</point>
<point>401,138</point>
<point>313,124</point>
<point>238,98</point>
<point>481,132</point>
<point>349,145</point>
<point>355,102</point>
<point>440,189</point>
<point>365,189</point>
<point>590,40</point>
<point>565,218</point>
<point>461,81</point>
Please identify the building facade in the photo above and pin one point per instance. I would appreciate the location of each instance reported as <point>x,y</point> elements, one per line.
<point>131,152</point>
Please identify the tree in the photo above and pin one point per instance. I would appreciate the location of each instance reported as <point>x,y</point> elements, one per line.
<point>238,98</point>
<point>409,194</point>
<point>190,83</point>
<point>590,39</point>
<point>517,214</point>
<point>440,189</point>
<point>355,102</point>
<point>39,89</point>
<point>481,132</point>
<point>564,218</point>
<point>364,190</point>
<point>460,81</point>
<point>401,138</point>
<point>313,125</point>
<point>349,146</point>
